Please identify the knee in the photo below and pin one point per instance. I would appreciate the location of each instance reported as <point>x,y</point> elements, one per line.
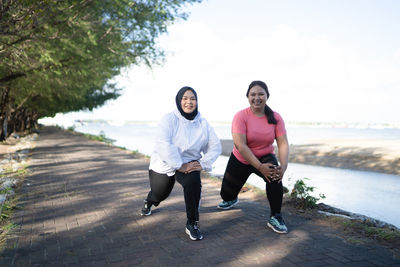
<point>157,198</point>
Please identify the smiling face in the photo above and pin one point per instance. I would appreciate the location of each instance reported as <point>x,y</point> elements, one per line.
<point>257,98</point>
<point>188,102</point>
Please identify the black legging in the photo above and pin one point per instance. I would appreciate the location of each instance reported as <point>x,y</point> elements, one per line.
<point>161,186</point>
<point>236,175</point>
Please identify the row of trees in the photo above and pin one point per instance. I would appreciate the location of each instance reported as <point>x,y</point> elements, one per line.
<point>61,55</point>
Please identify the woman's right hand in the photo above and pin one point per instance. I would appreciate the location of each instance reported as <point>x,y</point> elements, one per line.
<point>270,171</point>
<point>190,167</point>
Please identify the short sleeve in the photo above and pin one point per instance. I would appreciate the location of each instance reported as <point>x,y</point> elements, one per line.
<point>239,123</point>
<point>280,126</point>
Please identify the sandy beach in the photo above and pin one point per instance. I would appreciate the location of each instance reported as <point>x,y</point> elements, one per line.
<point>366,155</point>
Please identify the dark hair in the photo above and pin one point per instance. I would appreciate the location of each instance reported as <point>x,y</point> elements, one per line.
<point>269,113</point>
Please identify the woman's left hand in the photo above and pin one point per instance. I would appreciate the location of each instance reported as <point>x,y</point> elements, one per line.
<point>278,173</point>
<point>275,172</point>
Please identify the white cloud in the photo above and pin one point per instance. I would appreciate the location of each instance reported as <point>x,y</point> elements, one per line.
<point>311,78</point>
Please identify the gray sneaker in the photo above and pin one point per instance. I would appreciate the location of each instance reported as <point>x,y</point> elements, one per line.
<point>225,205</point>
<point>193,231</point>
<point>277,224</point>
<point>146,209</point>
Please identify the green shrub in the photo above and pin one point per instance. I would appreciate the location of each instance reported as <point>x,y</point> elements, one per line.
<point>71,128</point>
<point>301,193</point>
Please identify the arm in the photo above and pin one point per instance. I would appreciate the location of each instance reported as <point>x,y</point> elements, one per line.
<point>164,146</point>
<point>283,154</point>
<point>240,142</point>
<point>212,150</point>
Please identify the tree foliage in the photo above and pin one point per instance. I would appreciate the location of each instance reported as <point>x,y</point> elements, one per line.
<point>59,56</point>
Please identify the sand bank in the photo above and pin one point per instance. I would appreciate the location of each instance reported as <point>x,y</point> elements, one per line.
<point>366,155</point>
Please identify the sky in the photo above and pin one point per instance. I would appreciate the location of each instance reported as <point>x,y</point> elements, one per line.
<point>323,61</point>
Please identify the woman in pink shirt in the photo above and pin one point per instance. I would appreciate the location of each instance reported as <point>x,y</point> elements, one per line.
<point>254,131</point>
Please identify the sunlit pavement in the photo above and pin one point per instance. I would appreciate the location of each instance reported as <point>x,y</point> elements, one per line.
<point>80,206</point>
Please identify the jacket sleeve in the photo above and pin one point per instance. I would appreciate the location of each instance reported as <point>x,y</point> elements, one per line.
<point>212,150</point>
<point>168,152</point>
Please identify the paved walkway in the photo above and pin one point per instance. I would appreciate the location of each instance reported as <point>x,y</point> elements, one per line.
<point>80,207</point>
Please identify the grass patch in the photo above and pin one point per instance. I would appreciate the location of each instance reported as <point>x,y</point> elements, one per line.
<point>357,231</point>
<point>6,171</point>
<point>380,233</point>
<point>101,138</point>
<point>6,190</point>
<point>20,172</point>
<point>71,128</point>
<point>355,241</point>
<point>10,226</point>
<point>6,225</point>
<point>5,230</point>
<point>12,193</point>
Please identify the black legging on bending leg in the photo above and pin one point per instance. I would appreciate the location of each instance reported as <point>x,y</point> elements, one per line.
<point>161,186</point>
<point>236,175</point>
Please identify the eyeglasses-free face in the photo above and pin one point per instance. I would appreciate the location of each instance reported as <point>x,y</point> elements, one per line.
<point>257,99</point>
<point>188,102</point>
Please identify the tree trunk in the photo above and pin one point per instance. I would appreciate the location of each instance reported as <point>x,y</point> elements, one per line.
<point>3,112</point>
<point>4,132</point>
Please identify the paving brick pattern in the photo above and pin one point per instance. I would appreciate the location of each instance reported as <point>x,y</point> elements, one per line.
<point>80,207</point>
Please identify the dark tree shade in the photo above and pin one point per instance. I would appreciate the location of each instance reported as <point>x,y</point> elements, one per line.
<point>59,56</point>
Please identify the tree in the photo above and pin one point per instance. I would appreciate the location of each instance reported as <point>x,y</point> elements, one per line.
<point>59,56</point>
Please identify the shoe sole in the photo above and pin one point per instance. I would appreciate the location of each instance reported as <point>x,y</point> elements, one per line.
<point>275,230</point>
<point>227,208</point>
<point>146,214</point>
<point>191,237</point>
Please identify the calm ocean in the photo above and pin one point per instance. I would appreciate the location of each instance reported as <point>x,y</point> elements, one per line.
<point>140,136</point>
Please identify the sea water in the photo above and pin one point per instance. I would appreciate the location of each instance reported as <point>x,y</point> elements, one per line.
<point>372,194</point>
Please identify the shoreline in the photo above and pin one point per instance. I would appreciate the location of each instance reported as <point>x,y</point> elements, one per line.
<point>362,155</point>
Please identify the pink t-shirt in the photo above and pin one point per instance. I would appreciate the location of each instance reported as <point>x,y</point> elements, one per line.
<point>259,133</point>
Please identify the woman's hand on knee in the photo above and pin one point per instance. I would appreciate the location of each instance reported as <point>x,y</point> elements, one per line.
<point>194,166</point>
<point>268,170</point>
<point>183,168</point>
<point>190,167</point>
<point>272,172</point>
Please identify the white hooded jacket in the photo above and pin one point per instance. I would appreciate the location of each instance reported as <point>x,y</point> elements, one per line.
<point>180,141</point>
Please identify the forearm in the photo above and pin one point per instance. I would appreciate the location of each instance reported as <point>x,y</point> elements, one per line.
<point>248,155</point>
<point>283,150</point>
<point>170,154</point>
<point>211,153</point>
<point>283,156</point>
